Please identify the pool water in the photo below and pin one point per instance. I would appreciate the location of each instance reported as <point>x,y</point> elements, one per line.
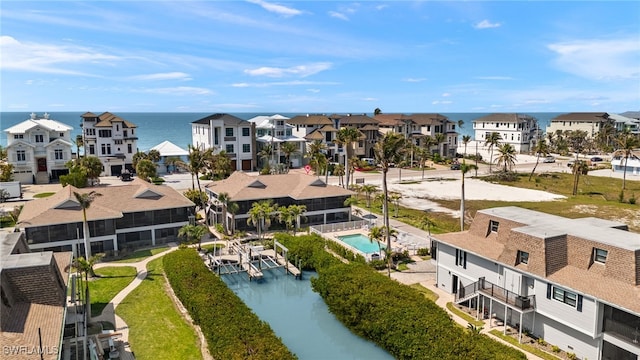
<point>362,243</point>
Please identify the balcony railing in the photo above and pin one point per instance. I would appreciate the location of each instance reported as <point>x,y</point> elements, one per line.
<point>622,330</point>
<point>499,293</point>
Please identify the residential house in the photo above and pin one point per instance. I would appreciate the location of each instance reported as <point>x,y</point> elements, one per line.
<point>519,130</point>
<point>274,131</point>
<point>168,153</point>
<point>224,132</point>
<point>317,127</point>
<point>620,162</point>
<point>573,282</point>
<point>38,149</point>
<point>366,125</point>
<point>112,139</point>
<point>416,127</point>
<point>325,203</point>
<point>126,217</point>
<point>590,122</point>
<point>622,123</point>
<point>34,300</point>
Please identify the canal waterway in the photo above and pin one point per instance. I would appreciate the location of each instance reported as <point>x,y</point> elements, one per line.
<point>300,317</point>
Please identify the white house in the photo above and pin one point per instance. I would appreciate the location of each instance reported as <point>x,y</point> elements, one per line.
<point>573,282</point>
<point>274,131</point>
<point>38,149</point>
<point>168,151</point>
<point>591,122</point>
<point>112,139</point>
<point>224,132</point>
<point>519,130</point>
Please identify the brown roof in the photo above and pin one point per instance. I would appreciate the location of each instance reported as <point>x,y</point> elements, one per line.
<point>420,119</point>
<point>242,187</point>
<point>107,119</point>
<point>389,119</point>
<point>503,117</point>
<point>328,128</point>
<point>369,127</point>
<point>63,208</point>
<point>310,120</point>
<point>357,120</point>
<point>582,116</point>
<point>88,114</point>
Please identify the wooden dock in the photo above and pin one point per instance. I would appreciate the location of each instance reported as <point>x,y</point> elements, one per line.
<point>289,267</point>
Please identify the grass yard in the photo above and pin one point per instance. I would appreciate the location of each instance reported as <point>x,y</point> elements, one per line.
<point>110,282</point>
<point>528,348</point>
<point>43,195</point>
<point>426,292</point>
<point>141,255</point>
<point>156,328</point>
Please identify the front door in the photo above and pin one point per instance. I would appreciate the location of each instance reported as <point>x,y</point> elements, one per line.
<point>42,164</point>
<point>454,284</point>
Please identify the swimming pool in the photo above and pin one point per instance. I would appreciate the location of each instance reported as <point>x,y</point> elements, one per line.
<point>362,243</point>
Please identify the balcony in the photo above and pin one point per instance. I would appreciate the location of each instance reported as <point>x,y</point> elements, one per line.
<point>522,303</point>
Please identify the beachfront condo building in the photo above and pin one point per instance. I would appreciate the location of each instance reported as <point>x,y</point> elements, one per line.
<point>273,131</point>
<point>591,122</point>
<point>112,139</point>
<point>228,133</point>
<point>366,125</point>
<point>38,148</point>
<point>519,130</point>
<point>317,127</point>
<point>573,282</point>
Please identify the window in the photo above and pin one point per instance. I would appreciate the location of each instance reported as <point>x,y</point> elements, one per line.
<point>58,154</point>
<point>280,122</point>
<point>104,133</point>
<point>61,134</point>
<point>117,142</point>
<point>91,132</point>
<point>246,148</point>
<point>18,136</point>
<point>21,155</point>
<point>92,149</point>
<point>600,255</point>
<point>245,131</point>
<point>461,258</point>
<point>106,149</point>
<point>229,148</point>
<point>523,257</point>
<point>565,296</point>
<point>493,225</point>
<point>129,148</point>
<point>228,131</point>
<point>39,138</point>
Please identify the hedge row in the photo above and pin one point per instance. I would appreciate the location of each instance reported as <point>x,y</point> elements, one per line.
<point>232,330</point>
<point>396,317</point>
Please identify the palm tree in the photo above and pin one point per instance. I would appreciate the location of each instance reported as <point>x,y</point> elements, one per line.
<point>338,171</point>
<point>626,143</point>
<point>288,149</point>
<point>224,199</point>
<point>92,165</point>
<point>465,141</point>
<point>291,215</point>
<point>85,200</point>
<point>232,208</point>
<point>196,163</point>
<point>193,233</point>
<point>492,140</point>
<point>316,157</point>
<point>440,138</point>
<point>377,111</point>
<point>395,199</point>
<point>266,153</point>
<point>369,189</point>
<point>577,140</point>
<point>541,148</point>
<point>350,201</point>
<point>464,168</point>
<point>507,157</point>
<point>260,215</point>
<point>388,150</point>
<point>146,170</point>
<point>376,234</point>
<point>347,136</point>
<point>173,161</point>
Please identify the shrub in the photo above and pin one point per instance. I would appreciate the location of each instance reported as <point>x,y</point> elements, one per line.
<point>541,342</point>
<point>423,252</point>
<point>378,264</point>
<point>572,356</point>
<point>555,349</point>
<point>632,199</point>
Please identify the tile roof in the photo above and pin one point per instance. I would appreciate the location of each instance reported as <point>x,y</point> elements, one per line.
<point>88,114</point>
<point>242,187</point>
<point>106,119</point>
<point>226,119</point>
<point>310,120</point>
<point>314,135</point>
<point>358,119</point>
<point>582,116</point>
<point>63,208</point>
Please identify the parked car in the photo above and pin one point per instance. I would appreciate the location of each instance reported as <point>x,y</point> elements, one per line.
<point>549,159</point>
<point>126,175</point>
<point>455,166</point>
<point>596,159</point>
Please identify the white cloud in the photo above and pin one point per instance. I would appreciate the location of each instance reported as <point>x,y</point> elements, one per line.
<point>282,83</point>
<point>315,91</point>
<point>599,59</point>
<point>415,79</point>
<point>163,76</point>
<point>441,102</point>
<point>275,8</point>
<point>446,94</point>
<point>46,58</point>
<point>370,99</point>
<point>300,70</point>
<point>494,78</point>
<point>338,15</point>
<point>179,91</point>
<point>486,24</point>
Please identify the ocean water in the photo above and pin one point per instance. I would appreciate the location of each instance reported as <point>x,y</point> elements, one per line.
<point>154,128</point>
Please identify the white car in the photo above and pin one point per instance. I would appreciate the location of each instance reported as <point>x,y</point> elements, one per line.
<point>549,159</point>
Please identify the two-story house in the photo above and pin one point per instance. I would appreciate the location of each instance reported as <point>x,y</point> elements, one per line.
<point>573,282</point>
<point>415,127</point>
<point>366,125</point>
<point>274,131</point>
<point>224,132</point>
<point>110,138</point>
<point>591,122</point>
<point>38,149</point>
<point>124,217</point>
<point>519,130</point>
<point>317,127</point>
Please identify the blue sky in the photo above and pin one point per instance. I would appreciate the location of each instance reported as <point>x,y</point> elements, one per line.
<point>320,56</point>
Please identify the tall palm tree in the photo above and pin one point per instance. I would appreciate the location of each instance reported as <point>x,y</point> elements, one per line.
<point>266,153</point>
<point>492,140</point>
<point>369,189</point>
<point>376,234</point>
<point>506,157</point>
<point>541,148</point>
<point>626,142</point>
<point>260,215</point>
<point>388,150</point>
<point>440,138</point>
<point>316,156</point>
<point>577,141</point>
<point>232,208</point>
<point>289,149</point>
<point>197,162</point>
<point>291,215</point>
<point>465,141</point>
<point>224,199</point>
<point>395,199</point>
<point>85,200</point>
<point>347,136</point>
<point>338,171</point>
<point>464,169</point>
<point>193,233</point>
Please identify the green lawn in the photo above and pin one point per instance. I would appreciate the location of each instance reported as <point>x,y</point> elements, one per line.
<point>141,255</point>
<point>110,282</point>
<point>426,292</point>
<point>468,318</point>
<point>156,329</point>
<point>530,349</point>
<point>43,195</point>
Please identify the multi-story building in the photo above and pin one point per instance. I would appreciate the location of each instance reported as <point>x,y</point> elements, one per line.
<point>38,149</point>
<point>325,203</point>
<point>316,127</point>
<point>573,282</point>
<point>366,125</point>
<point>110,138</point>
<point>224,132</point>
<point>416,127</point>
<point>519,130</point>
<point>34,302</point>
<point>591,123</point>
<point>125,217</point>
<point>274,131</point>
